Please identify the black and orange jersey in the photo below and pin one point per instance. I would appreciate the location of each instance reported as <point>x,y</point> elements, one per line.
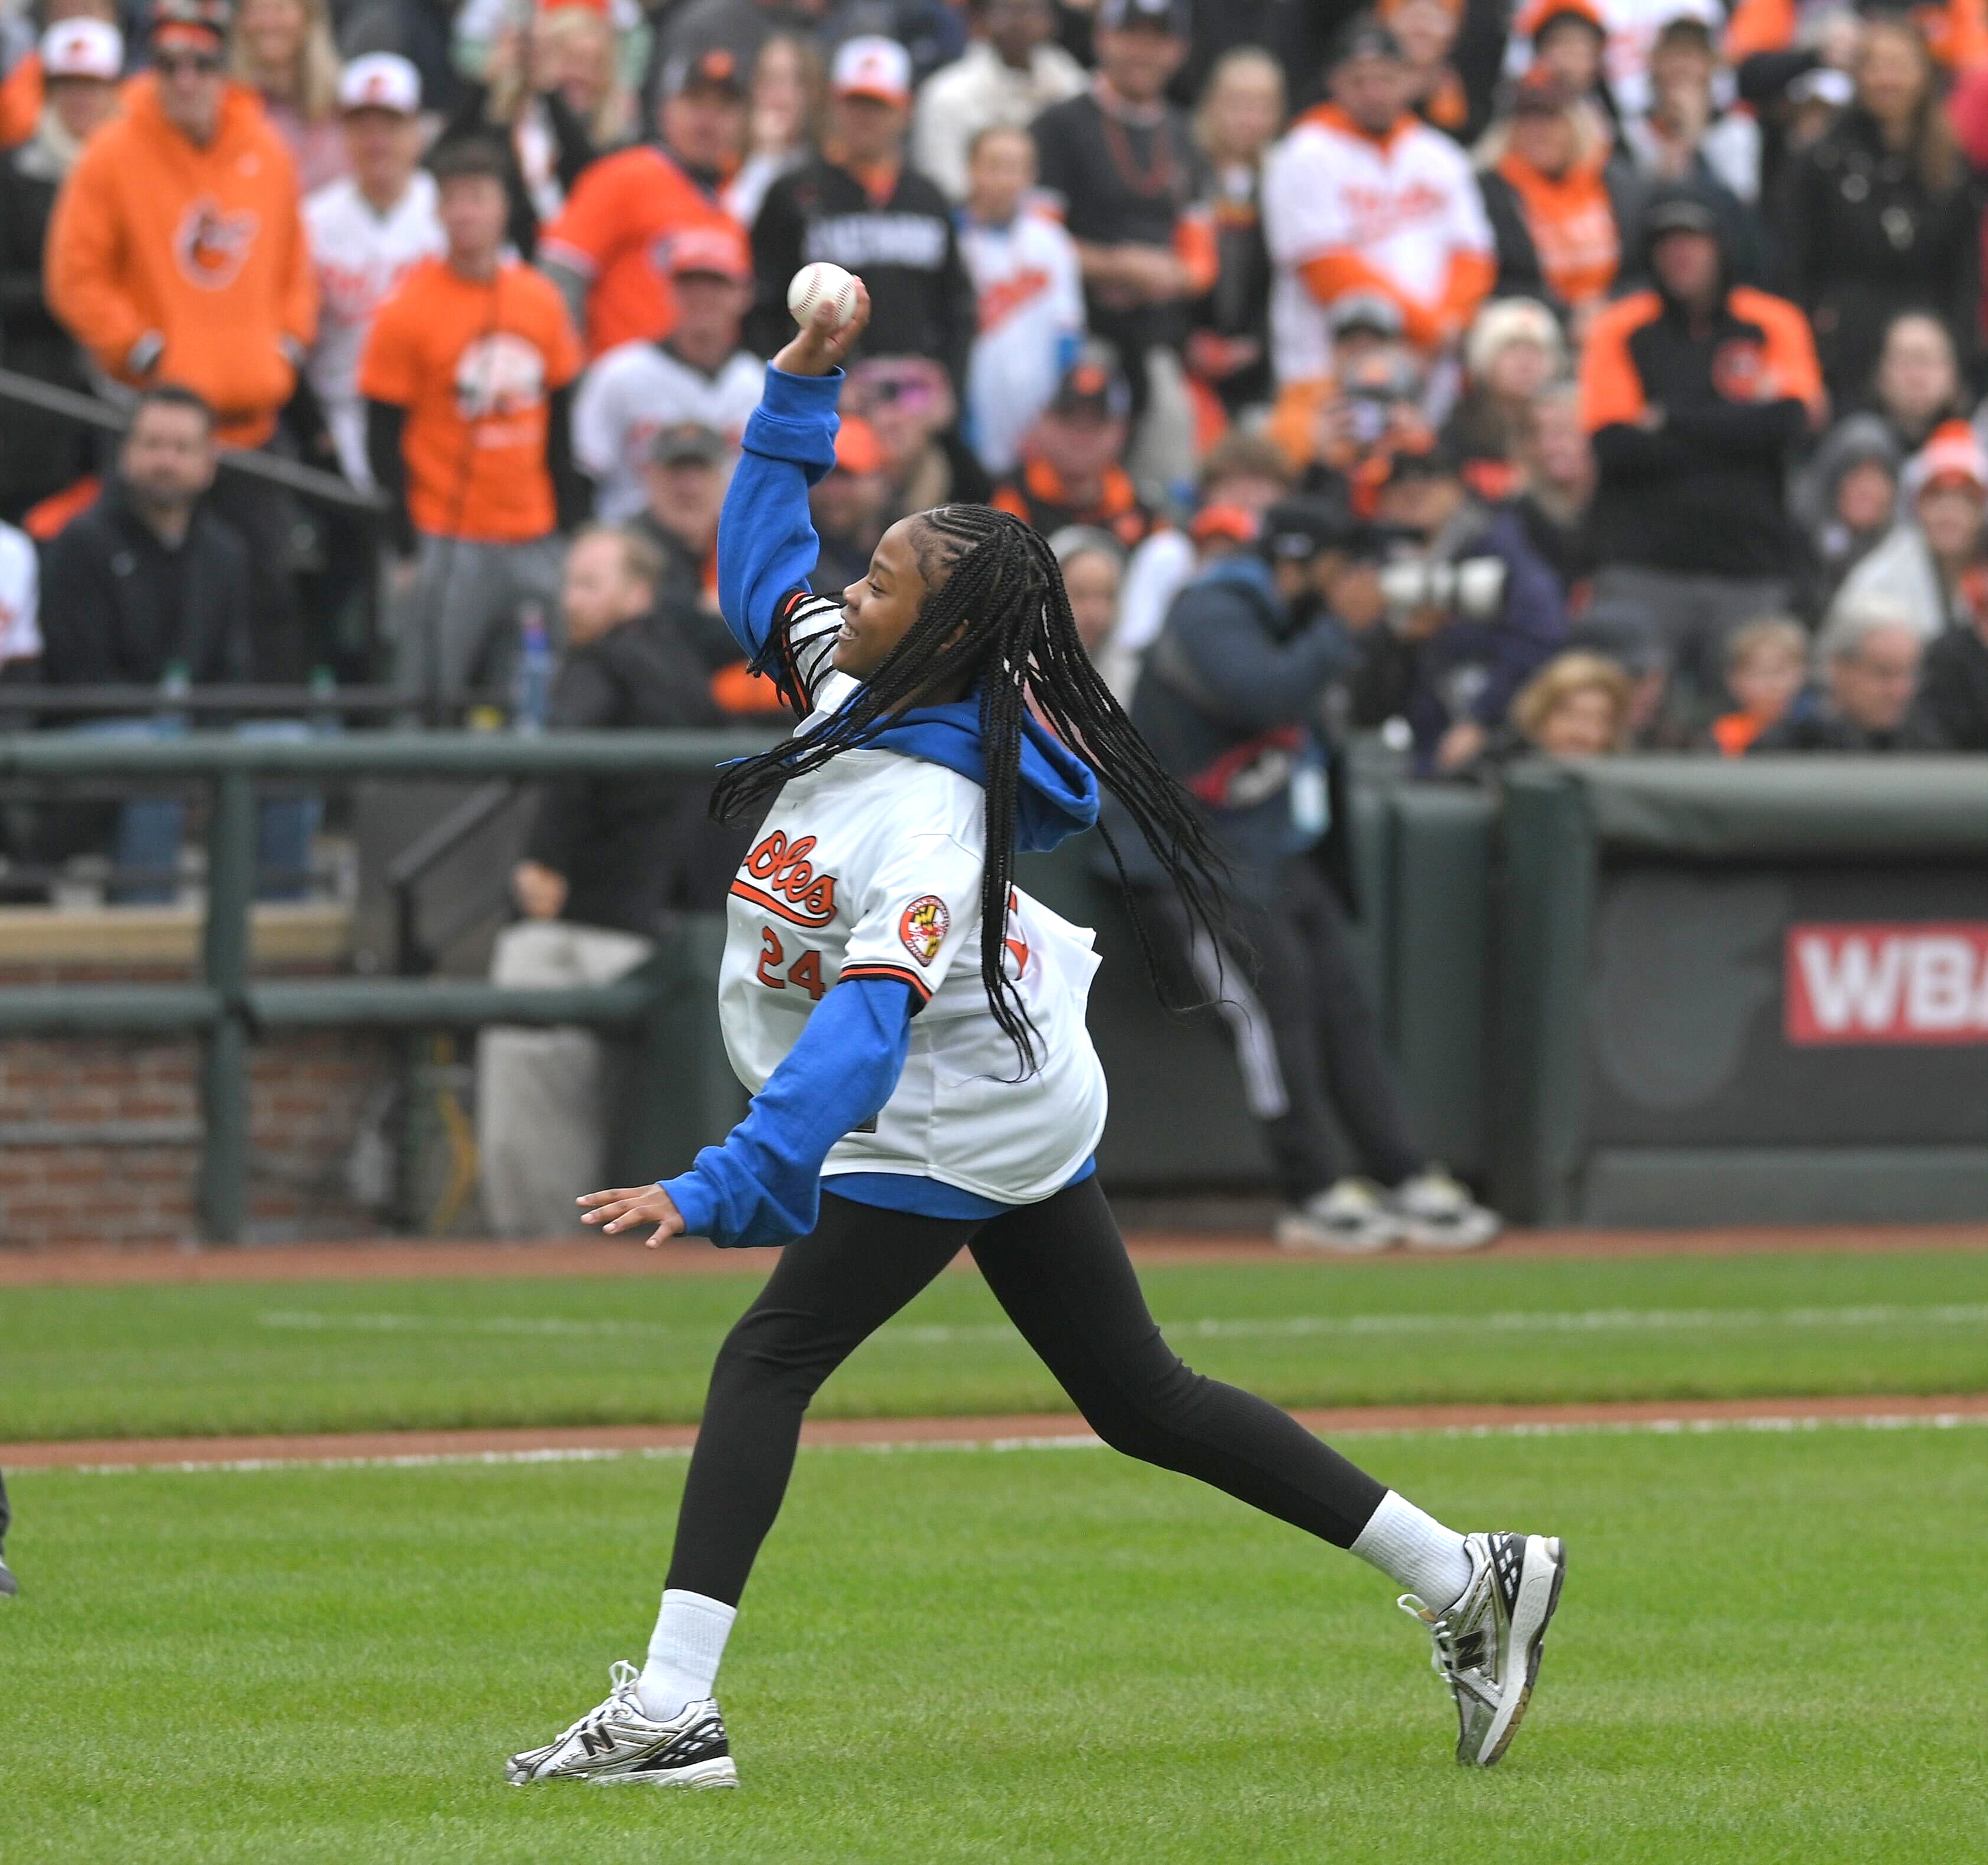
<point>1699,489</point>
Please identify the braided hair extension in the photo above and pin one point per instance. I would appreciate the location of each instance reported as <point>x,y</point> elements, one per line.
<point>996,613</point>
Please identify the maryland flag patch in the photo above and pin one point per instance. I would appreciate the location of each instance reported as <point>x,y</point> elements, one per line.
<point>923,926</point>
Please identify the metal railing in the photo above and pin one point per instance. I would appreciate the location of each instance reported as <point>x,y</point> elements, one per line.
<point>327,489</point>
<point>227,1007</point>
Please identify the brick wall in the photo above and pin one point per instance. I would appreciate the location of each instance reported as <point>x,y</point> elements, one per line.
<point>308,1091</point>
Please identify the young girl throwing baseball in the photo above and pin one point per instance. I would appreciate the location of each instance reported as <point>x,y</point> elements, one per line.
<point>909,1101</point>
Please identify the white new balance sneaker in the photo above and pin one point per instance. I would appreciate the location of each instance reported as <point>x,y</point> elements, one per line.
<point>9,1586</point>
<point>1434,1212</point>
<point>1487,1645</point>
<point>617,1742</point>
<point>1350,1216</point>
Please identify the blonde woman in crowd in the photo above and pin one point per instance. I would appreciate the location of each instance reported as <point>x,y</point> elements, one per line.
<point>1577,706</point>
<point>537,89</point>
<point>575,56</point>
<point>1514,350</point>
<point>282,50</point>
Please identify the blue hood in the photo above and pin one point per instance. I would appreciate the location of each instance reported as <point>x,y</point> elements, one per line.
<point>1248,569</point>
<point>1057,795</point>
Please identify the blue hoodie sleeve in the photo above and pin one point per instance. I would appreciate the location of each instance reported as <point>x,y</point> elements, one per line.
<point>763,1186</point>
<point>766,542</point>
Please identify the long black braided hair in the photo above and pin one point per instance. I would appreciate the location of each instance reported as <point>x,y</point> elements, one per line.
<point>995,614</point>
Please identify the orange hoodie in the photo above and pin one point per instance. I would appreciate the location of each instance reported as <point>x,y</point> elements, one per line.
<point>21,95</point>
<point>203,247</point>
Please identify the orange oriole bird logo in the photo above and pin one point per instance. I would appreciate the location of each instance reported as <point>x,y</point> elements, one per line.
<point>211,245</point>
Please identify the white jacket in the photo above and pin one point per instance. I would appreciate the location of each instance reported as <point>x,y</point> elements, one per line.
<point>358,255</point>
<point>1030,294</point>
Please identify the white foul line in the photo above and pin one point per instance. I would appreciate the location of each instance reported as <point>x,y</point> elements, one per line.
<point>1659,1427</point>
<point>1540,1321</point>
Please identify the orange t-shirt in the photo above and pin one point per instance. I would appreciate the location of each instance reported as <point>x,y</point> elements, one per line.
<point>615,232</point>
<point>475,365</point>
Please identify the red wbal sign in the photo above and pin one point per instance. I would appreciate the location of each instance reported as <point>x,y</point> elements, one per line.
<point>1915,981</point>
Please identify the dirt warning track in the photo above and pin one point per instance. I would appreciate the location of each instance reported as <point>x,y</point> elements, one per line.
<point>1011,1431</point>
<point>401,1261</point>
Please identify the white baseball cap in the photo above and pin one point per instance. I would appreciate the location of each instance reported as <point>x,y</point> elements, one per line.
<point>82,49</point>
<point>872,67</point>
<point>380,81</point>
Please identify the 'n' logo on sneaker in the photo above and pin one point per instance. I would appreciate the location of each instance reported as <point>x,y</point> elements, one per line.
<point>596,1742</point>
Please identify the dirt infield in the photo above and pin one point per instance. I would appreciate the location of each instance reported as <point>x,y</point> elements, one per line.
<point>1029,1429</point>
<point>400,1262</point>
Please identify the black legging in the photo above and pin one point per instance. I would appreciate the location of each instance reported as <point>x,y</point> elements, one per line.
<point>1061,1271</point>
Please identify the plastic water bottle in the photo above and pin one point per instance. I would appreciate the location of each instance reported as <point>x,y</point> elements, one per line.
<point>531,678</point>
<point>174,683</point>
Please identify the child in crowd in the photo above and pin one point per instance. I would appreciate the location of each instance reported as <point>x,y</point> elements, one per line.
<point>1029,292</point>
<point>1767,663</point>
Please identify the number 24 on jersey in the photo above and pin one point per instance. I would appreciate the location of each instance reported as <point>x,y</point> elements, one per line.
<point>804,974</point>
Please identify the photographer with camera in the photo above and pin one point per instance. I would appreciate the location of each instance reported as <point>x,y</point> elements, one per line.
<point>1471,610</point>
<point>1231,700</point>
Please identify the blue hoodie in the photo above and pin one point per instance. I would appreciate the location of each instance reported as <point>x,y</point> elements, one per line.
<point>763,1185</point>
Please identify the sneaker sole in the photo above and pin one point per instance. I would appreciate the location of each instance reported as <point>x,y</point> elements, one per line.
<point>1436,1238</point>
<point>1309,1242</point>
<point>720,1772</point>
<point>1539,1599</point>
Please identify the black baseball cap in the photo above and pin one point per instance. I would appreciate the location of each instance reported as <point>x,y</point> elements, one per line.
<point>1168,16</point>
<point>1365,310</point>
<point>1364,37</point>
<point>1423,457</point>
<point>685,443</point>
<point>714,68</point>
<point>1094,384</point>
<point>1678,210</point>
<point>1296,530</point>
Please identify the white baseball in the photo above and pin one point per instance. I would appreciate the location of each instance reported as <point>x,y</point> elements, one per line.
<point>819,284</point>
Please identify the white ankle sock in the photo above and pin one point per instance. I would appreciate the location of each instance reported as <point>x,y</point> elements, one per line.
<point>1416,1550</point>
<point>684,1653</point>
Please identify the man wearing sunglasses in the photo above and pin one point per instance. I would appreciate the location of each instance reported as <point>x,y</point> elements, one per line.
<point>177,253</point>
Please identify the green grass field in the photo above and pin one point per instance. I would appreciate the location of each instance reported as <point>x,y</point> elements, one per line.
<point>104,1362</point>
<point>1034,1655</point>
<point>956,1655</point>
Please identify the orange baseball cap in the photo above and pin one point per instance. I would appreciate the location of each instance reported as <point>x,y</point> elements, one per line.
<point>858,449</point>
<point>1234,522</point>
<point>720,251</point>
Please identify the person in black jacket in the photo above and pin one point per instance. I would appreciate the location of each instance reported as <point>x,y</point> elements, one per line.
<point>605,857</point>
<point>39,454</point>
<point>608,851</point>
<point>147,588</point>
<point>1877,216</point>
<point>1695,392</point>
<point>1230,701</point>
<point>870,213</point>
<point>148,584</point>
<point>1952,711</point>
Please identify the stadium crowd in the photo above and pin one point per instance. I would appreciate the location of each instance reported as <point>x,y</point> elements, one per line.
<point>1551,378</point>
<point>1634,346</point>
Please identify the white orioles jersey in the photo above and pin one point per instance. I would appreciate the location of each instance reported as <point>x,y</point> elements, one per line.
<point>870,867</point>
<point>1407,205</point>
<point>358,256</point>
